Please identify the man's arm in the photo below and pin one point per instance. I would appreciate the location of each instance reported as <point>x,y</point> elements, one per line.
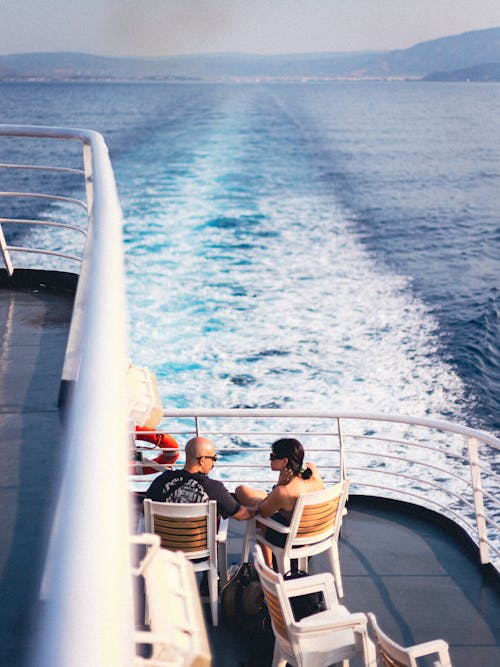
<point>227,505</point>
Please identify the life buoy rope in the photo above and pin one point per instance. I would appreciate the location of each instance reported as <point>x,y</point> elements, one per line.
<point>168,445</point>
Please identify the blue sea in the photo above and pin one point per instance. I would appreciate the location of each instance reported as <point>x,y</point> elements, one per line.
<point>305,245</point>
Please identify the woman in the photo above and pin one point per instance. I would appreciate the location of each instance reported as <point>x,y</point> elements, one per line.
<point>287,457</point>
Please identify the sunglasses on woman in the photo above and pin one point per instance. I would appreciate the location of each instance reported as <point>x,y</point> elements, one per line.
<point>275,457</point>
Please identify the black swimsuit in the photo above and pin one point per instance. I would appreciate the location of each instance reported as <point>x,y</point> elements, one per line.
<point>272,536</point>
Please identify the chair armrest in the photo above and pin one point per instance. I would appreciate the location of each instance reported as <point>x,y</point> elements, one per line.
<point>145,538</point>
<point>438,646</point>
<point>330,621</point>
<point>323,582</point>
<point>270,523</point>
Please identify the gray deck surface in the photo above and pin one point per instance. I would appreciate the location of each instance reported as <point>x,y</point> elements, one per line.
<point>33,333</point>
<point>421,582</point>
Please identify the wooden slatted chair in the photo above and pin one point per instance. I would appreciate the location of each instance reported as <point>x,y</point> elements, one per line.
<point>323,639</point>
<point>314,528</point>
<point>390,654</point>
<point>192,529</point>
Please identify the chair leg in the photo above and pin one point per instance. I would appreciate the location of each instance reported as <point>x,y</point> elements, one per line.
<point>147,619</point>
<point>282,562</point>
<point>278,660</point>
<point>222,562</point>
<point>304,564</point>
<point>370,652</point>
<point>333,557</point>
<point>213,592</point>
<point>249,535</point>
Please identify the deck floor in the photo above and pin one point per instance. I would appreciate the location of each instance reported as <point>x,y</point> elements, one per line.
<point>421,582</point>
<point>34,327</point>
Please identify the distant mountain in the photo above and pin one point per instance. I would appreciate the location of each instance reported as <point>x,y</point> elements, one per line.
<point>448,53</point>
<point>486,72</point>
<point>447,58</point>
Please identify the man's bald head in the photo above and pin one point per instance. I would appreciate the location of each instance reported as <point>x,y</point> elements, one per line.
<point>197,447</point>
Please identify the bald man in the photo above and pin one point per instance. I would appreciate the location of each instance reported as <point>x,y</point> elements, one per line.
<point>193,485</point>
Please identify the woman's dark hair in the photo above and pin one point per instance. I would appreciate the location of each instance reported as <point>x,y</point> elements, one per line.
<point>291,449</point>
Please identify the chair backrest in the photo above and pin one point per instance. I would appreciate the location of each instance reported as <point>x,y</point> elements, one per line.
<point>187,527</point>
<point>317,515</point>
<point>277,603</point>
<point>391,654</point>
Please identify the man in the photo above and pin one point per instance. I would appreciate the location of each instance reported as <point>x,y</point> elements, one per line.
<point>193,485</point>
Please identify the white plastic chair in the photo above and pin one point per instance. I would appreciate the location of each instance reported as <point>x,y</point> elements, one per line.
<point>323,639</point>
<point>390,654</point>
<point>177,633</point>
<point>314,528</point>
<point>192,529</point>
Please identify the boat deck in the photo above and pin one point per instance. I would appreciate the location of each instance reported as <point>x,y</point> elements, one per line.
<point>422,580</point>
<point>419,576</point>
<point>34,324</point>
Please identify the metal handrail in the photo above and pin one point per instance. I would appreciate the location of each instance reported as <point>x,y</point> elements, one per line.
<point>44,223</point>
<point>439,425</point>
<point>350,445</point>
<point>38,251</point>
<point>6,249</point>
<point>42,195</point>
<point>88,569</point>
<point>43,167</point>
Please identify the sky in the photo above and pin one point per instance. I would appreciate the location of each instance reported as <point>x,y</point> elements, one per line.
<point>168,27</point>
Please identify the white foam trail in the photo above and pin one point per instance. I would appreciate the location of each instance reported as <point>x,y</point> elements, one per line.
<point>287,310</point>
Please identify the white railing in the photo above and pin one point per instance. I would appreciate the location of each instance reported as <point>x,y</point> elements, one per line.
<point>40,133</point>
<point>89,615</point>
<point>444,467</point>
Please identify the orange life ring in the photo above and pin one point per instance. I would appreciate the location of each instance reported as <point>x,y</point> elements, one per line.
<point>166,442</point>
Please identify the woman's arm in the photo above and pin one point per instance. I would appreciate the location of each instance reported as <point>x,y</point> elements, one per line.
<point>273,502</point>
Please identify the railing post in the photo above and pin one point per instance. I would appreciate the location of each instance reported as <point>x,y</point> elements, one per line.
<point>89,180</point>
<point>341,451</point>
<point>197,426</point>
<point>477,492</point>
<point>5,253</point>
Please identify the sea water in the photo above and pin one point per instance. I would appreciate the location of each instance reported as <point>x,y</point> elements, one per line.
<point>317,245</point>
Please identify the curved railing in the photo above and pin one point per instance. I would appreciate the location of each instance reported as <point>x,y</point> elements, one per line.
<point>442,466</point>
<point>48,197</point>
<point>89,618</point>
